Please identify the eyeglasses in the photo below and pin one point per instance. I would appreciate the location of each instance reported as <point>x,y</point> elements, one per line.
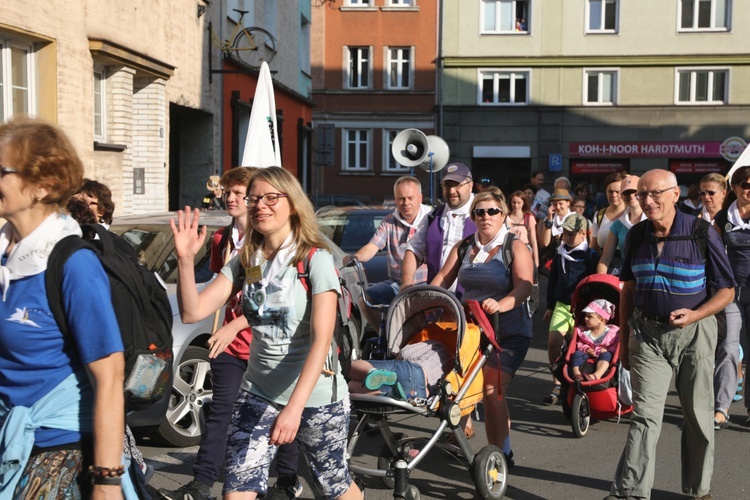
<point>7,170</point>
<point>479,212</point>
<point>655,194</point>
<point>453,184</point>
<point>711,193</point>
<point>269,199</point>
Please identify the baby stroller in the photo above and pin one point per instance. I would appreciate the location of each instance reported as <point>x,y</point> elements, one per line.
<point>599,399</point>
<point>417,314</point>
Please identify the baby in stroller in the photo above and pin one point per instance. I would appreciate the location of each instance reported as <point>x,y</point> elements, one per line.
<point>596,341</point>
<point>414,374</point>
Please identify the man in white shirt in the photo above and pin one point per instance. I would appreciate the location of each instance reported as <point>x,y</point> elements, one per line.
<point>445,226</point>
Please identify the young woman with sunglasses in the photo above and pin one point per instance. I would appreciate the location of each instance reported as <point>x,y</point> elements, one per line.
<point>733,223</point>
<point>486,278</point>
<point>613,252</point>
<point>713,192</point>
<point>291,387</point>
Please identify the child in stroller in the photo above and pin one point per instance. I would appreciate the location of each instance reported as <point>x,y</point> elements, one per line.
<point>596,341</point>
<point>414,374</point>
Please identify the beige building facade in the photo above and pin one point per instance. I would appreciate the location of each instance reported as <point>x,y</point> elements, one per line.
<point>127,81</point>
<point>582,88</point>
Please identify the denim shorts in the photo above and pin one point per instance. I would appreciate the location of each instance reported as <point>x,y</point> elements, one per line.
<point>513,351</point>
<point>322,434</point>
<point>409,375</point>
<point>383,292</point>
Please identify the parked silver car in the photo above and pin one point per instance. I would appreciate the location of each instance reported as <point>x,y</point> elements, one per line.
<point>151,237</point>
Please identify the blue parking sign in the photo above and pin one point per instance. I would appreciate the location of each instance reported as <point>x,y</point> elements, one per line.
<point>555,162</point>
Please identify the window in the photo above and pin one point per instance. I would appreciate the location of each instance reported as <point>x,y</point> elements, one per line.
<point>358,3</point>
<point>602,16</point>
<point>389,162</point>
<point>17,89</point>
<point>100,104</point>
<point>356,150</point>
<point>400,3</point>
<point>702,86</point>
<point>503,87</point>
<point>398,68</point>
<point>505,16</point>
<point>358,75</point>
<point>600,87</point>
<point>702,15</point>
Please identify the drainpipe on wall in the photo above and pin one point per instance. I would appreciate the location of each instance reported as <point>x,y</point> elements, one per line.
<point>439,72</point>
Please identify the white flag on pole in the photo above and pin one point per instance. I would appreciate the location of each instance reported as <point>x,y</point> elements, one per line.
<point>262,142</point>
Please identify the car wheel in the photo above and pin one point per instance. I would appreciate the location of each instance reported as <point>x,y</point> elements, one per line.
<point>191,391</point>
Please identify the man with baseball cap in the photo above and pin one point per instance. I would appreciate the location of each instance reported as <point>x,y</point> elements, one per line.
<point>445,226</point>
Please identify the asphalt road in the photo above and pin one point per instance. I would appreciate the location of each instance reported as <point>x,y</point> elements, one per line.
<point>551,463</point>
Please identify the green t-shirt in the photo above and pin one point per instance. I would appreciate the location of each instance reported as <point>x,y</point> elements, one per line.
<point>281,336</point>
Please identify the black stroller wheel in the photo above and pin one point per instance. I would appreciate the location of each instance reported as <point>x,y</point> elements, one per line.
<point>580,415</point>
<point>387,459</point>
<point>490,473</point>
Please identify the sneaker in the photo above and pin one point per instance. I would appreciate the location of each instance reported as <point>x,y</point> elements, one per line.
<point>375,379</point>
<point>509,459</point>
<point>553,396</point>
<point>194,490</point>
<point>285,487</point>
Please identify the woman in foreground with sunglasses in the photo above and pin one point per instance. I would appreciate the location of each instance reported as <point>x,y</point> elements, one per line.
<point>291,387</point>
<point>733,224</point>
<point>500,291</point>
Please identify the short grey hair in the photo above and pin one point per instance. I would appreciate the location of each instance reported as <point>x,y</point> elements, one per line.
<point>406,178</point>
<point>563,179</point>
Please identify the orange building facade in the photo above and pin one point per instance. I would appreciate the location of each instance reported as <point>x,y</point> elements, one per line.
<point>374,74</point>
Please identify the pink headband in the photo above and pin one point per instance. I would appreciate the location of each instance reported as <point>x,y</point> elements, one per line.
<point>596,308</point>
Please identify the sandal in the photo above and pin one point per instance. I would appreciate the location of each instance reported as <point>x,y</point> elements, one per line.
<point>553,397</point>
<point>468,432</point>
<point>376,379</point>
<point>724,423</point>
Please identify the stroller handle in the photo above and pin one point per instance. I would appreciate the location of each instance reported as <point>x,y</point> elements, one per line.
<point>363,283</point>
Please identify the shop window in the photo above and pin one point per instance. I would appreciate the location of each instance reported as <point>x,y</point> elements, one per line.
<point>17,82</point>
<point>600,87</point>
<point>501,87</point>
<point>398,67</point>
<point>358,67</point>
<point>702,86</point>
<point>356,150</point>
<point>505,16</point>
<point>705,15</point>
<point>601,16</point>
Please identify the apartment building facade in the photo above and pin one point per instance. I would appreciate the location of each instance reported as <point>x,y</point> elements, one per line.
<point>110,74</point>
<point>582,88</point>
<point>289,24</point>
<point>374,74</point>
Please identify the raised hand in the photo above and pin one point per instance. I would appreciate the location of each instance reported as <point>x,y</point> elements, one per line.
<point>189,237</point>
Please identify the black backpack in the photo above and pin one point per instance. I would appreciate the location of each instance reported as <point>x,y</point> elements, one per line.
<point>141,306</point>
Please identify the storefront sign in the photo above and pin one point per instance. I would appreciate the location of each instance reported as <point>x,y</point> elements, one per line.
<point>697,167</point>
<point>645,149</point>
<point>597,167</point>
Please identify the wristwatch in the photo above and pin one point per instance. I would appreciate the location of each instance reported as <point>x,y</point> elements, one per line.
<point>548,223</point>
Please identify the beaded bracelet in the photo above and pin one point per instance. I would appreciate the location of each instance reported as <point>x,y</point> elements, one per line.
<point>117,472</point>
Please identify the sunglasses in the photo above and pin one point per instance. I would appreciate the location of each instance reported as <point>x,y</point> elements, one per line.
<point>711,193</point>
<point>744,185</point>
<point>479,212</point>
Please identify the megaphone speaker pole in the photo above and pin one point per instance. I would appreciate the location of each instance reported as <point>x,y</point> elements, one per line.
<point>432,180</point>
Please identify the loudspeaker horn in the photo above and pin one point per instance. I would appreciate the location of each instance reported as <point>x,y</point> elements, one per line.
<point>412,148</point>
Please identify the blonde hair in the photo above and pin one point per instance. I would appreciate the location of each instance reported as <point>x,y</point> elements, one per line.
<point>492,193</point>
<point>302,216</point>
